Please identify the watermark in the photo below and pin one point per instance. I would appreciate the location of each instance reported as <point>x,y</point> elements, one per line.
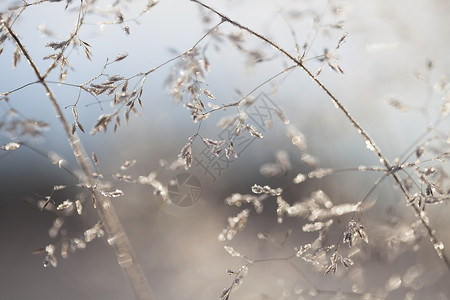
<point>260,115</point>
<point>184,189</point>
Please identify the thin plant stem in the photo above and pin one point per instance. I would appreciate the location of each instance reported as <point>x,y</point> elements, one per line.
<point>370,143</point>
<point>117,237</point>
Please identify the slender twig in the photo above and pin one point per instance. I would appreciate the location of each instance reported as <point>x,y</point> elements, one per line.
<point>179,55</point>
<point>328,292</point>
<point>288,259</point>
<point>370,143</point>
<point>316,30</point>
<point>237,103</point>
<point>119,240</point>
<point>80,19</point>
<point>5,95</point>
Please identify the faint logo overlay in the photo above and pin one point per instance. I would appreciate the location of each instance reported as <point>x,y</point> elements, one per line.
<point>184,189</point>
<point>260,115</point>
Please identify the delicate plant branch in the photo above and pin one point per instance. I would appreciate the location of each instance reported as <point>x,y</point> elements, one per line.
<point>370,143</point>
<point>237,103</point>
<point>315,32</point>
<point>80,20</point>
<point>117,236</point>
<point>238,276</point>
<point>6,94</point>
<point>437,244</point>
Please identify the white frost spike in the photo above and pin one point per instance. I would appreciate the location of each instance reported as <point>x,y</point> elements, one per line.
<point>225,293</point>
<point>10,146</point>
<point>299,178</point>
<point>345,261</point>
<point>283,159</point>
<point>50,249</point>
<point>270,170</point>
<point>186,154</point>
<point>65,249</point>
<point>309,159</point>
<point>159,188</point>
<point>77,243</point>
<point>127,164</point>
<point>116,193</point>
<point>231,251</point>
<point>253,131</point>
<point>297,138</point>
<point>208,94</point>
<point>257,189</point>
<point>310,227</point>
<point>235,224</point>
<point>56,159</point>
<point>230,151</point>
<point>58,187</point>
<point>345,208</point>
<point>303,249</point>
<point>50,259</point>
<point>95,158</point>
<point>362,168</point>
<point>353,231</point>
<point>320,173</point>
<point>319,196</point>
<point>439,247</point>
<point>79,206</point>
<point>370,146</point>
<point>65,204</point>
<point>94,232</point>
<point>393,283</point>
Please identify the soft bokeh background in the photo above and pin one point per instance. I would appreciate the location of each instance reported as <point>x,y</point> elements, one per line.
<point>388,42</point>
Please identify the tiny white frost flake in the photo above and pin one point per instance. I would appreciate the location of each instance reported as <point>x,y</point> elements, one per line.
<point>10,146</point>
<point>231,251</point>
<point>299,178</point>
<point>65,204</point>
<point>116,193</point>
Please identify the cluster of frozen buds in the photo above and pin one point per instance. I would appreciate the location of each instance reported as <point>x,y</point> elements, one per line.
<point>353,231</point>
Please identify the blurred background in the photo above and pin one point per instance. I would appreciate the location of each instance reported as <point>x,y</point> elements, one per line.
<point>394,51</point>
